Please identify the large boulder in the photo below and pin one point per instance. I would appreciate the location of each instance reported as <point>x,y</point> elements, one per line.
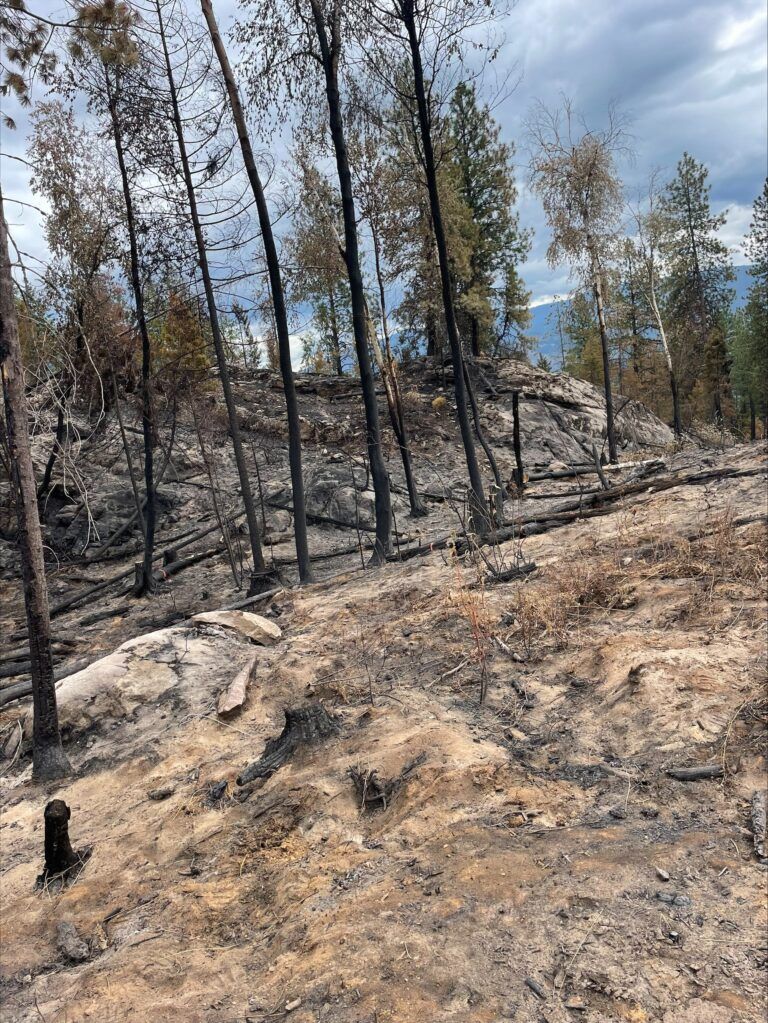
<point>121,703</point>
<point>562,417</point>
<point>338,492</point>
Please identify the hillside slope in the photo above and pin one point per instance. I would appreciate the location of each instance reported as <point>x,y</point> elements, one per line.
<point>537,863</point>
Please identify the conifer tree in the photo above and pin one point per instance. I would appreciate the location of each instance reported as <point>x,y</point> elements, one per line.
<point>698,280</point>
<point>485,182</point>
<point>749,334</point>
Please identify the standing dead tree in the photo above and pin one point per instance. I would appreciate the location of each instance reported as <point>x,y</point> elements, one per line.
<point>428,32</point>
<point>262,577</point>
<point>306,40</point>
<point>104,38</point>
<point>277,293</point>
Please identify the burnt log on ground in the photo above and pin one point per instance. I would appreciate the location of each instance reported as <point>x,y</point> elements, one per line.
<point>696,773</point>
<point>18,690</point>
<point>375,793</point>
<point>304,726</point>
<point>593,504</point>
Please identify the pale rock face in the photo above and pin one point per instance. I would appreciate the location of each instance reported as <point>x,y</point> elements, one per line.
<point>256,628</point>
<point>169,673</point>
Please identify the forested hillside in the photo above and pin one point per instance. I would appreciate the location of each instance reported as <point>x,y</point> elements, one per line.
<point>363,659</point>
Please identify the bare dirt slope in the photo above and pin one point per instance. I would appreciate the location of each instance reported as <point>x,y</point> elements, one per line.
<point>538,864</point>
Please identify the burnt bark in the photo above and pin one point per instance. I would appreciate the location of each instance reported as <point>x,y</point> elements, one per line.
<point>128,458</point>
<point>60,857</point>
<point>58,446</point>
<point>477,496</point>
<point>329,42</point>
<point>519,470</point>
<point>278,299</point>
<point>499,495</point>
<point>48,757</point>
<point>303,726</point>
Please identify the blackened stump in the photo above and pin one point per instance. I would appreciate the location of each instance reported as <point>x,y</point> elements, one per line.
<point>60,857</point>
<point>304,725</point>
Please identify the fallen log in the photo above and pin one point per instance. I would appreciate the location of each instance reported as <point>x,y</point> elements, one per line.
<point>590,470</point>
<point>304,726</point>
<point>592,504</point>
<point>21,653</point>
<point>19,690</point>
<point>506,575</point>
<point>696,773</point>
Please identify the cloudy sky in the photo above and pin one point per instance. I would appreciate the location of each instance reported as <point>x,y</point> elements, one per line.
<point>689,75</point>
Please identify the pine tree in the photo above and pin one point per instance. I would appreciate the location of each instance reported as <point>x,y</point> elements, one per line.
<point>583,358</point>
<point>698,281</point>
<point>485,182</point>
<point>749,334</point>
<point>318,276</point>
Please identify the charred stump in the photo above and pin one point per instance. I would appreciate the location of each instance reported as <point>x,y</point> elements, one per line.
<point>375,793</point>
<point>303,726</point>
<point>60,858</point>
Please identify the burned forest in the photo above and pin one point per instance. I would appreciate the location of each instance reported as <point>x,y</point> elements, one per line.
<point>383,508</point>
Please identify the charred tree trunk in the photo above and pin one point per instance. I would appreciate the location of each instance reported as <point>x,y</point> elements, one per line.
<point>477,497</point>
<point>58,446</point>
<point>329,53</point>
<point>389,379</point>
<point>474,336</point>
<point>431,339</point>
<point>260,572</point>
<point>499,495</point>
<point>278,299</point>
<point>128,458</point>
<point>335,341</point>
<point>48,757</point>
<point>752,419</point>
<point>613,454</point>
<point>146,584</point>
<point>677,425</point>
<point>519,471</point>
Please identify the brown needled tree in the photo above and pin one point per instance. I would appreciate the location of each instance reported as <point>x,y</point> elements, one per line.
<point>573,170</point>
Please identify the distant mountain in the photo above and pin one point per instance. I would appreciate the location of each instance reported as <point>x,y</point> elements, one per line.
<point>544,319</point>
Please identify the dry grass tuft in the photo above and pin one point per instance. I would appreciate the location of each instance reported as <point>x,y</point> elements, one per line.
<point>722,563</point>
<point>548,614</point>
